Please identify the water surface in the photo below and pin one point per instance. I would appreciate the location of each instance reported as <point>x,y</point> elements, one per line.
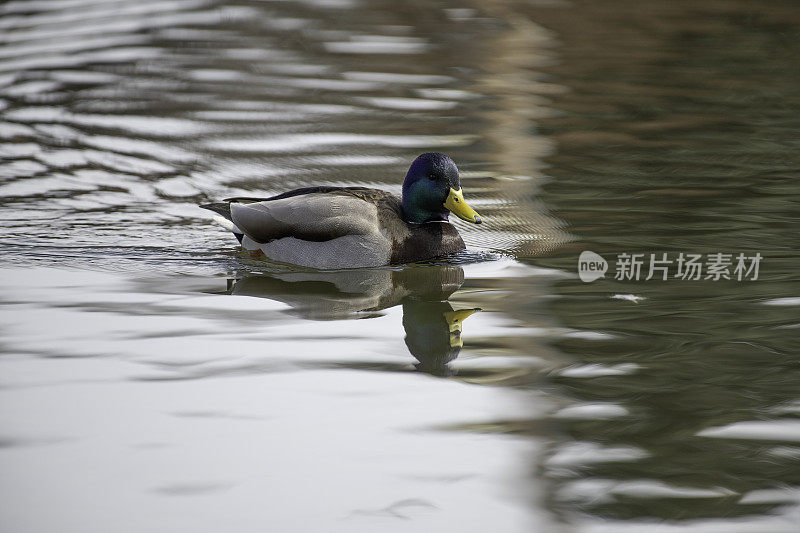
<point>155,377</point>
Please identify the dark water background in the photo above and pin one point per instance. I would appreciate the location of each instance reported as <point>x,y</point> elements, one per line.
<point>155,378</point>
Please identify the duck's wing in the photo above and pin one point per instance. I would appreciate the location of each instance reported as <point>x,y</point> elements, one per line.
<point>312,215</point>
<point>319,227</point>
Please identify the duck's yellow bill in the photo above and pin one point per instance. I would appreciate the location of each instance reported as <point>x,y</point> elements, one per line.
<point>456,204</point>
<point>454,320</point>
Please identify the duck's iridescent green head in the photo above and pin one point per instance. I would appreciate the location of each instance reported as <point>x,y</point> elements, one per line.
<point>432,189</point>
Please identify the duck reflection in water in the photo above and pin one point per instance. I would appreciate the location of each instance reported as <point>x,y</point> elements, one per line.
<point>433,328</point>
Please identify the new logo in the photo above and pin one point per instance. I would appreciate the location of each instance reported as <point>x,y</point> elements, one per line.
<point>591,266</point>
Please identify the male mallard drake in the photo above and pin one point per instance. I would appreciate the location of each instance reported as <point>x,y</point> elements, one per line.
<point>340,227</point>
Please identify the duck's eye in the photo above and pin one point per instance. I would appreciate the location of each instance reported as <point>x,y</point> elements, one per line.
<point>431,177</point>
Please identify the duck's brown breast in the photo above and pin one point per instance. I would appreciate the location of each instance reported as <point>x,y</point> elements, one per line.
<point>426,241</point>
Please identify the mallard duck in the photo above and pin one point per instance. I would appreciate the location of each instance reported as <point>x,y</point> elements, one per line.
<point>341,227</point>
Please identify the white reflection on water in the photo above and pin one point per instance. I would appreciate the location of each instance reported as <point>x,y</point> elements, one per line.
<point>151,401</point>
<point>310,142</point>
<point>769,430</point>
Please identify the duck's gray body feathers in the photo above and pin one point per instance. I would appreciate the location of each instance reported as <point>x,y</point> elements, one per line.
<point>335,227</point>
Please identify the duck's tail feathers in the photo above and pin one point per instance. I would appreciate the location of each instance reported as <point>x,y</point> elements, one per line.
<point>222,216</point>
<point>221,208</point>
